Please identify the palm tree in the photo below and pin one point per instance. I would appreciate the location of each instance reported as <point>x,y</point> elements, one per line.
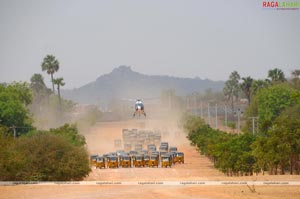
<point>296,79</point>
<point>259,84</point>
<point>296,74</point>
<point>37,82</point>
<point>246,87</point>
<point>59,82</point>
<point>51,65</point>
<point>232,88</point>
<point>276,75</point>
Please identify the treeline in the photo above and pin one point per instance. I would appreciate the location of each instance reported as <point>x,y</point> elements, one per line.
<point>274,144</point>
<point>55,155</point>
<point>26,153</point>
<point>248,154</point>
<point>230,153</point>
<point>30,154</point>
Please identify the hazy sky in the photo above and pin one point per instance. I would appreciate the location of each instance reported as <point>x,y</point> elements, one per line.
<point>185,38</point>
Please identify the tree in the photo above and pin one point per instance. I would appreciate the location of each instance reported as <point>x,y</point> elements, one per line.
<point>37,83</point>
<point>246,87</point>
<point>230,153</point>
<point>271,101</point>
<point>14,99</point>
<point>21,91</point>
<point>232,88</point>
<point>296,79</point>
<point>51,65</point>
<point>51,157</point>
<point>276,75</point>
<point>258,85</point>
<point>296,74</point>
<point>59,82</point>
<point>70,132</point>
<point>39,88</point>
<point>287,129</point>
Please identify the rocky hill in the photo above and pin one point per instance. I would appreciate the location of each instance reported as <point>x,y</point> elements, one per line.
<point>122,83</point>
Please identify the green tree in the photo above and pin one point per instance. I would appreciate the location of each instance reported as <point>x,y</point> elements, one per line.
<point>296,79</point>
<point>14,99</point>
<point>51,65</point>
<point>257,85</point>
<point>276,75</point>
<point>246,87</point>
<point>296,74</point>
<point>58,154</point>
<point>230,153</point>
<point>287,130</point>
<point>12,162</point>
<point>70,132</point>
<point>51,157</point>
<point>21,91</point>
<point>59,82</point>
<point>232,88</point>
<point>271,101</point>
<point>38,85</point>
<point>39,89</point>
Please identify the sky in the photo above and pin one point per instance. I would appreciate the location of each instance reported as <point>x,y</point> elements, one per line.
<point>184,38</point>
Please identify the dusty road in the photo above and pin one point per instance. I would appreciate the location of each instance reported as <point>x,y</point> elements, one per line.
<point>146,192</point>
<point>100,139</point>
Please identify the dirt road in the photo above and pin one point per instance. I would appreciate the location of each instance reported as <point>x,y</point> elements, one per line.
<point>100,139</point>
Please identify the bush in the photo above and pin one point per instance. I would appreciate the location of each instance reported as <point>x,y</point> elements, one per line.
<point>45,156</point>
<point>230,153</point>
<point>70,132</point>
<point>52,157</point>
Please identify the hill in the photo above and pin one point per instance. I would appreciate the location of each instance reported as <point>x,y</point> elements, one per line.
<point>123,82</point>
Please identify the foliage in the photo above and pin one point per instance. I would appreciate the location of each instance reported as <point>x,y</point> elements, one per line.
<point>231,125</point>
<point>50,155</point>
<point>231,154</point>
<point>276,75</point>
<point>295,81</point>
<point>270,102</point>
<point>70,132</point>
<point>232,88</point>
<point>51,65</point>
<point>12,161</point>
<point>257,85</point>
<point>38,85</point>
<point>59,82</point>
<point>246,87</point>
<point>13,111</point>
<point>283,141</point>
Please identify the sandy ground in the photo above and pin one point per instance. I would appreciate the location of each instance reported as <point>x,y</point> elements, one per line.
<point>185,192</point>
<point>100,139</point>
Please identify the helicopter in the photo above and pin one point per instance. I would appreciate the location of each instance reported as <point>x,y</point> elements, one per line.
<point>139,108</point>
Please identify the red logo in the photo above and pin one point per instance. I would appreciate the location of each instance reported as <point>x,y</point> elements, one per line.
<point>268,4</point>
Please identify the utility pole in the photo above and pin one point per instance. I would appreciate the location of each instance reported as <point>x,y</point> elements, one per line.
<point>257,129</point>
<point>253,124</point>
<point>225,117</point>
<point>239,111</point>
<point>15,132</point>
<point>216,116</point>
